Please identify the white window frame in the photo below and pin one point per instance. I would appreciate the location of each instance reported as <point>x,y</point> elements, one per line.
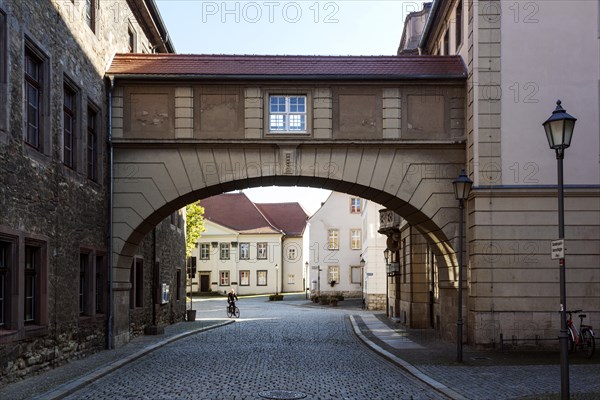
<point>262,277</point>
<point>355,242</point>
<point>223,278</point>
<point>333,239</point>
<point>287,113</point>
<point>224,251</point>
<point>292,253</point>
<point>244,249</point>
<point>333,273</point>
<point>261,250</point>
<point>205,255</point>
<point>245,278</point>
<point>355,205</point>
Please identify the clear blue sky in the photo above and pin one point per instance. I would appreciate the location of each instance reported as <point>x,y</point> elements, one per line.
<point>347,27</point>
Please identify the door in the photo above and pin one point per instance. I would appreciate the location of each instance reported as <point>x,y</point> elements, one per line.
<point>205,283</point>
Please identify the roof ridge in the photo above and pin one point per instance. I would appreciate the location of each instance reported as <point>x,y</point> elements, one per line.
<point>267,219</point>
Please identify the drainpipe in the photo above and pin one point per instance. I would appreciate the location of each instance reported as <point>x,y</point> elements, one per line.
<point>110,322</point>
<point>155,278</point>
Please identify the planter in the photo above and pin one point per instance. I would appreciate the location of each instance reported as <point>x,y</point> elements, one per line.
<point>191,315</point>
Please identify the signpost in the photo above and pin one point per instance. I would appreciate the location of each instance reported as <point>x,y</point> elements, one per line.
<point>558,249</point>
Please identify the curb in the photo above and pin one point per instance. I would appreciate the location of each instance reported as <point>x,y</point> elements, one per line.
<point>68,388</point>
<point>440,387</point>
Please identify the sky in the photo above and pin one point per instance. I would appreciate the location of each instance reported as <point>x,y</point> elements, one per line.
<point>344,27</point>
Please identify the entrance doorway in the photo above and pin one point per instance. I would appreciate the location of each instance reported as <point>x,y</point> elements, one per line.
<point>204,282</point>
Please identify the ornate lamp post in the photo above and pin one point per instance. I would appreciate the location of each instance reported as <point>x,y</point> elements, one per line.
<point>386,256</point>
<point>364,286</point>
<point>462,187</point>
<point>559,131</point>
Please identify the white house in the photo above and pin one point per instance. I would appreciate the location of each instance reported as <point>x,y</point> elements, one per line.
<point>374,244</point>
<point>342,233</point>
<point>252,248</point>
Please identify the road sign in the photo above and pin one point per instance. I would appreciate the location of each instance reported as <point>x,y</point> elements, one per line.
<point>558,249</point>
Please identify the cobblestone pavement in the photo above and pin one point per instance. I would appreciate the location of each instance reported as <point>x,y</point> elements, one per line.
<point>306,350</point>
<point>274,346</point>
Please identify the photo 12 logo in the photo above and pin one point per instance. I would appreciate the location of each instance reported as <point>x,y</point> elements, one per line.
<point>270,11</point>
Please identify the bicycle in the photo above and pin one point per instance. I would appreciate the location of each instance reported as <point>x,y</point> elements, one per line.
<point>233,311</point>
<point>582,338</point>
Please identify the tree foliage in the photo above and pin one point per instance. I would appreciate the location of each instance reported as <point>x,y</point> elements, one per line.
<point>194,225</point>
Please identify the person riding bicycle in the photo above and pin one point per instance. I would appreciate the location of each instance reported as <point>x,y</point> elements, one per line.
<point>231,298</point>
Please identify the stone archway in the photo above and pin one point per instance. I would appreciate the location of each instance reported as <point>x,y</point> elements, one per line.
<point>152,181</point>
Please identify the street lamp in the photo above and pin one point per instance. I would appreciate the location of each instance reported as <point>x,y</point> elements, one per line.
<point>462,187</point>
<point>306,280</point>
<point>386,256</point>
<point>276,279</point>
<point>364,287</point>
<point>559,131</point>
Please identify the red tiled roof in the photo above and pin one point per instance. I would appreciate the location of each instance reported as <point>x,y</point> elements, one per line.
<point>289,217</point>
<point>237,212</point>
<point>289,67</point>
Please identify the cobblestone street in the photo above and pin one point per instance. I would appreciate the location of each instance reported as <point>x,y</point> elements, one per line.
<point>272,347</point>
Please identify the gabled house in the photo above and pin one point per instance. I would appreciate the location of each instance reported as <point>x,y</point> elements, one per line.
<point>252,248</point>
<point>346,252</point>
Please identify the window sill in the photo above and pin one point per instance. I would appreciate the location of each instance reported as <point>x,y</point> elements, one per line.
<point>35,330</point>
<point>7,336</point>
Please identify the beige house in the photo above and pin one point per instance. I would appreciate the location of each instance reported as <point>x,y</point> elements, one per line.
<point>251,248</point>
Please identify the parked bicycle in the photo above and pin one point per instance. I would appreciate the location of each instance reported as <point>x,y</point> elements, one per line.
<point>582,338</point>
<point>233,311</point>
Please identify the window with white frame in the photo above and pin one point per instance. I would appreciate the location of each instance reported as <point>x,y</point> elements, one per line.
<point>225,249</point>
<point>291,279</point>
<point>333,239</point>
<point>261,278</point>
<point>355,205</point>
<point>244,251</point>
<point>333,273</point>
<point>261,251</point>
<point>292,253</point>
<point>205,251</point>
<point>287,114</point>
<point>355,239</point>
<point>244,278</point>
<point>223,278</point>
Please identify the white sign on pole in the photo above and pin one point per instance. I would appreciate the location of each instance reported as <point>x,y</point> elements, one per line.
<point>558,249</point>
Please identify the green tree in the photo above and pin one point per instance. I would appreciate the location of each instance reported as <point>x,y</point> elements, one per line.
<point>194,225</point>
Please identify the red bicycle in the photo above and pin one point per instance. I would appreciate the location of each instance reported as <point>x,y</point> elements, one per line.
<point>582,338</point>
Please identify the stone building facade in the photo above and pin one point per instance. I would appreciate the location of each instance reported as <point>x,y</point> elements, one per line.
<point>55,280</point>
<point>511,284</point>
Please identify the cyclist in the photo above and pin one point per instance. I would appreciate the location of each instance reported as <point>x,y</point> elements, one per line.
<point>231,299</point>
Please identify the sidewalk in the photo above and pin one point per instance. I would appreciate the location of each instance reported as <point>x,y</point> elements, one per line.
<point>66,379</point>
<point>491,374</point>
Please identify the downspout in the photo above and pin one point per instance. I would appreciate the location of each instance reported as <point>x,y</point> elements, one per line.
<point>155,278</point>
<point>110,344</point>
<point>283,236</point>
